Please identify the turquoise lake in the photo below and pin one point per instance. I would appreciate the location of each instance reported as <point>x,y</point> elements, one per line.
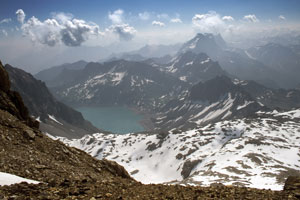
<point>116,119</point>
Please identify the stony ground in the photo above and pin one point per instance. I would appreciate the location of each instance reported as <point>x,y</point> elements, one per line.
<point>120,189</point>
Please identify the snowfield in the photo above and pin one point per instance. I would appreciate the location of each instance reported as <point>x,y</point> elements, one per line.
<point>259,152</point>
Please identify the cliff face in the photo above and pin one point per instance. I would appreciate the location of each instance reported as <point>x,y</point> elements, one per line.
<point>12,102</point>
<point>41,104</point>
<point>68,173</point>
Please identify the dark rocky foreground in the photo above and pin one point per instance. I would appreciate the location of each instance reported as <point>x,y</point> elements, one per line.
<point>124,189</point>
<point>68,173</point>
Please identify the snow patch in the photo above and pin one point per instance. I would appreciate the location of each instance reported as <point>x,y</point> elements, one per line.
<point>249,55</point>
<point>205,61</point>
<point>244,105</point>
<point>53,118</point>
<point>9,179</point>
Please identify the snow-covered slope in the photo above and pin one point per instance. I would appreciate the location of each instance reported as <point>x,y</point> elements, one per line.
<point>9,179</point>
<point>257,152</point>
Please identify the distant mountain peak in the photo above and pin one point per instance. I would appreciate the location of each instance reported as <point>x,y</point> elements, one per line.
<point>204,42</point>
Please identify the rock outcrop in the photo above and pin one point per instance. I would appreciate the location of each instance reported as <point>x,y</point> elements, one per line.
<point>12,102</point>
<point>292,184</point>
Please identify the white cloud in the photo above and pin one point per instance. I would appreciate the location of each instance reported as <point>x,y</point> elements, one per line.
<point>158,23</point>
<point>116,17</point>
<point>281,17</point>
<point>176,20</point>
<point>144,16</point>
<point>4,32</point>
<point>62,28</point>
<point>20,16</point>
<point>210,22</point>
<point>124,31</point>
<point>6,20</point>
<point>251,18</point>
<point>228,18</point>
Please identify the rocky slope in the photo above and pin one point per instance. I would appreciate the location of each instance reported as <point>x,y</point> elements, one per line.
<point>12,102</point>
<point>56,118</point>
<point>68,173</point>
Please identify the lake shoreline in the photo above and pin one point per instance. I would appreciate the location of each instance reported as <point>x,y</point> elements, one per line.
<point>146,121</point>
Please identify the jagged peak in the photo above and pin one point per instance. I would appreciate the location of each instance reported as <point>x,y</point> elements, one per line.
<point>204,42</point>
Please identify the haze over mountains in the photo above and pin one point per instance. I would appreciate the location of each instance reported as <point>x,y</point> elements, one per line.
<point>191,96</point>
<point>206,89</point>
<point>239,63</point>
<point>205,81</point>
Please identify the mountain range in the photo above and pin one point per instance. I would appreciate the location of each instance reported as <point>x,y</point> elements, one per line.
<point>119,82</point>
<point>220,114</point>
<point>185,91</point>
<point>64,172</point>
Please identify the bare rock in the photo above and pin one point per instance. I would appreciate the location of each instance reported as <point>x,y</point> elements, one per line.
<point>4,79</point>
<point>292,184</point>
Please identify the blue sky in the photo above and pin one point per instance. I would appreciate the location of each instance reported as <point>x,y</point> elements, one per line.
<point>97,10</point>
<point>46,27</point>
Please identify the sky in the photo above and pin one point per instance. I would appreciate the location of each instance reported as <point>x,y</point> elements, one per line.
<point>35,34</point>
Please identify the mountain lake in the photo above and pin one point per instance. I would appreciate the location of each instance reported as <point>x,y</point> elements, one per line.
<point>116,119</point>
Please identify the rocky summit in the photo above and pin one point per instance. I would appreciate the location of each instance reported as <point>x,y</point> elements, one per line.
<point>68,173</point>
